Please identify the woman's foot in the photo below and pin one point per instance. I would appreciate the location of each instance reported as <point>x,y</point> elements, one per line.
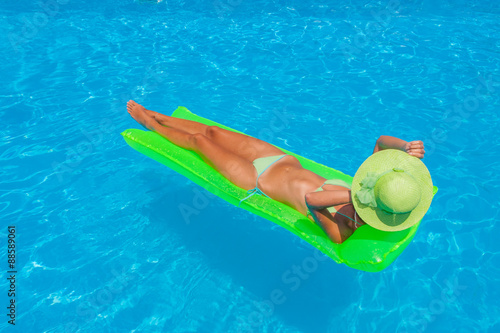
<point>185,125</point>
<point>139,113</point>
<point>161,118</point>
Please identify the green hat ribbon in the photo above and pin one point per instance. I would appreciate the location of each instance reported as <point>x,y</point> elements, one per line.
<point>366,194</point>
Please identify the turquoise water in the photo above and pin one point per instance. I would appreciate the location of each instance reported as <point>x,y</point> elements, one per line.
<point>102,245</point>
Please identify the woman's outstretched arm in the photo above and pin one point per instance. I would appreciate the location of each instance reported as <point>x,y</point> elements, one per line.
<point>414,148</point>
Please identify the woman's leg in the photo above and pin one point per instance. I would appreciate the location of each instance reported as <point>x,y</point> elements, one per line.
<point>240,144</point>
<point>236,169</point>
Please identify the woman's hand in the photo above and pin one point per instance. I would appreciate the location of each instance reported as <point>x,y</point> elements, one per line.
<point>415,148</point>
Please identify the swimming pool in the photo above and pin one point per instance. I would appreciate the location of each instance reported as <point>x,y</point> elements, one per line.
<point>102,244</point>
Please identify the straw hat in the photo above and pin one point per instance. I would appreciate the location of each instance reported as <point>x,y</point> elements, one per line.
<point>392,190</point>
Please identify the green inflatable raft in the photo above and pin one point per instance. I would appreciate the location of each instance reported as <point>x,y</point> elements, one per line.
<point>368,249</point>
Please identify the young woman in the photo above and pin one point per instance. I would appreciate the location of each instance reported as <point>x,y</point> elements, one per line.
<point>259,167</point>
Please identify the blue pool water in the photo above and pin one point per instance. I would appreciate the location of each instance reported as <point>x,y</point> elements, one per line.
<point>101,243</point>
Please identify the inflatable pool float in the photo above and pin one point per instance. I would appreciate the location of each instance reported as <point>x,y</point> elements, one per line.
<point>368,249</point>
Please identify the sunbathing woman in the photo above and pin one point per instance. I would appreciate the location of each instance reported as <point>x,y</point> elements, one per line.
<point>255,165</point>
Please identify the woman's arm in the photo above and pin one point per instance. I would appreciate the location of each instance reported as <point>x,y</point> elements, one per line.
<point>414,148</point>
<point>324,199</point>
<point>317,202</point>
<point>336,232</point>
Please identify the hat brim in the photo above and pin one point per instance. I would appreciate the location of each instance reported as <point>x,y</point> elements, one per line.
<point>386,160</point>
